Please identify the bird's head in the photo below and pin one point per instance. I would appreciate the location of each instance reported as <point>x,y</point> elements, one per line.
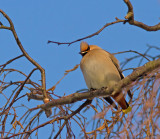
<point>85,48</point>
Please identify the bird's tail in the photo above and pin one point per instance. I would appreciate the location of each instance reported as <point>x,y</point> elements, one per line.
<point>119,98</point>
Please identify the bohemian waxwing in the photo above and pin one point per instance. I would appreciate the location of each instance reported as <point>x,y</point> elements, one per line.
<point>101,69</point>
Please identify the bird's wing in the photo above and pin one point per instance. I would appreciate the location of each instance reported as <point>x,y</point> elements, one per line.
<point>116,63</point>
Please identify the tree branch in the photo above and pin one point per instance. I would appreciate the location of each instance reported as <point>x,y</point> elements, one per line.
<point>13,100</point>
<point>148,67</point>
<point>130,14</point>
<point>87,102</point>
<point>131,21</point>
<point>43,80</point>
<point>145,27</point>
<point>11,60</point>
<point>129,18</point>
<point>89,36</point>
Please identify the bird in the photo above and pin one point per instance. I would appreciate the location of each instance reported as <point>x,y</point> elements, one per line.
<point>101,69</point>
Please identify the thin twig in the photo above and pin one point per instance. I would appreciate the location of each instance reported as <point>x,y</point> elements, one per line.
<point>89,36</point>
<point>43,80</point>
<point>13,100</point>
<point>11,60</point>
<point>61,128</point>
<point>143,55</point>
<point>129,18</point>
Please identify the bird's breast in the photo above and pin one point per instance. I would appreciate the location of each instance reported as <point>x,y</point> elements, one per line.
<point>98,70</point>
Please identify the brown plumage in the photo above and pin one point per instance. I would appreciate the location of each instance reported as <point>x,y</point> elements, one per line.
<point>101,69</point>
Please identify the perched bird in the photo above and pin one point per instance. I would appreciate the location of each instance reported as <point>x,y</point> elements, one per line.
<point>101,69</point>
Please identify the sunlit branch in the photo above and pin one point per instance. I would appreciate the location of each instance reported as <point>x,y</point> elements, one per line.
<point>43,80</point>
<point>140,71</point>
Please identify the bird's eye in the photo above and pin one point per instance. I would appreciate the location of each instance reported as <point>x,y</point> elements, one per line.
<point>88,48</point>
<point>85,52</point>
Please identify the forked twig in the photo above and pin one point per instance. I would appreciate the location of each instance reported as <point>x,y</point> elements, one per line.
<point>43,80</point>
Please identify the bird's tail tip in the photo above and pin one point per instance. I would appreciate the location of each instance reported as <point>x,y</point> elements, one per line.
<point>127,110</point>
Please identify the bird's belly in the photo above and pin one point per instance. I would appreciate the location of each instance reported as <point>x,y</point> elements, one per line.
<point>99,75</point>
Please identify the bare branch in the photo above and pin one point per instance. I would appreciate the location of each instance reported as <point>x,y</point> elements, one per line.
<point>148,67</point>
<point>131,21</point>
<point>66,72</point>
<point>87,102</point>
<point>13,100</point>
<point>146,27</point>
<point>43,80</point>
<point>89,36</point>
<point>11,60</point>
<point>133,52</point>
<point>145,79</point>
<point>129,18</point>
<point>130,14</point>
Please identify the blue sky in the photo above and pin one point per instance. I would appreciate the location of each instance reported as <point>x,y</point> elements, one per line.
<point>36,22</point>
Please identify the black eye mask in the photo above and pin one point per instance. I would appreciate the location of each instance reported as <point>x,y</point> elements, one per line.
<point>83,53</point>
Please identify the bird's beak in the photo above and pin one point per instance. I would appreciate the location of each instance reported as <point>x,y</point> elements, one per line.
<point>83,53</point>
<point>80,53</point>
